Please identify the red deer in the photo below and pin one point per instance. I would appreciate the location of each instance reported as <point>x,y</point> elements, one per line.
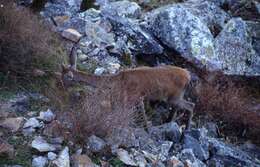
<point>164,83</point>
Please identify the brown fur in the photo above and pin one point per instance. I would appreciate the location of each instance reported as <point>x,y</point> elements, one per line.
<point>166,83</point>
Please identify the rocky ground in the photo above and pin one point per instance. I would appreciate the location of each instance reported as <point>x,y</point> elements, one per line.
<point>208,34</point>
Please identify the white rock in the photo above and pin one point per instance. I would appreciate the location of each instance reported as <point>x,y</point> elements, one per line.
<point>52,156</point>
<point>99,70</point>
<point>125,157</point>
<point>32,123</point>
<point>63,159</point>
<point>71,34</point>
<point>41,145</point>
<point>47,116</point>
<point>39,161</point>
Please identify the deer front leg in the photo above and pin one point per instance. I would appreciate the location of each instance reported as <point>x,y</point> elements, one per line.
<point>189,106</point>
<point>184,104</point>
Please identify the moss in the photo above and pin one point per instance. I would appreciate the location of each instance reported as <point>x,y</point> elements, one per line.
<point>115,162</point>
<point>23,154</point>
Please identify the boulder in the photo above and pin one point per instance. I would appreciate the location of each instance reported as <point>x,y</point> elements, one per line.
<point>230,155</point>
<point>235,51</point>
<point>208,12</point>
<point>138,39</point>
<point>180,30</point>
<point>123,9</point>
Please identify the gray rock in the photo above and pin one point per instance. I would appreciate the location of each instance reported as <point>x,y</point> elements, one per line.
<point>187,156</point>
<point>71,34</point>
<point>61,8</point>
<point>91,14</point>
<point>229,155</point>
<point>95,144</point>
<point>169,131</point>
<point>39,161</point>
<point>63,159</point>
<point>82,161</point>
<point>125,157</point>
<point>200,152</point>
<point>98,36</point>
<point>32,123</point>
<point>212,129</point>
<point>138,39</point>
<point>180,30</point>
<point>235,51</point>
<point>209,13</point>
<point>41,145</point>
<point>51,156</point>
<point>12,124</point>
<point>123,8</point>
<point>46,116</point>
<point>174,162</point>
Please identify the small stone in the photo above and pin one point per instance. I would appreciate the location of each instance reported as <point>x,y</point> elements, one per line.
<point>169,131</point>
<point>46,116</point>
<point>56,140</point>
<point>125,157</point>
<point>32,123</point>
<point>99,70</point>
<point>39,161</point>
<point>6,149</point>
<point>174,162</point>
<point>82,161</point>
<point>59,20</point>
<point>63,159</point>
<point>12,124</point>
<point>95,144</point>
<point>51,156</point>
<point>71,34</point>
<point>41,145</point>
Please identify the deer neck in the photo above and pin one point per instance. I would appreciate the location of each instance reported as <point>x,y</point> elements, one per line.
<point>90,79</point>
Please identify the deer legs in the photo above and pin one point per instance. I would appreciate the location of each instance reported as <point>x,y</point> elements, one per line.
<point>188,106</point>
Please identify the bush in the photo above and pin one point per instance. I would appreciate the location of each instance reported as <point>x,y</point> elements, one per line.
<point>27,46</point>
<point>224,100</point>
<point>96,111</point>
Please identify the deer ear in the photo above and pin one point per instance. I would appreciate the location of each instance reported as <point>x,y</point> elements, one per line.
<point>63,67</point>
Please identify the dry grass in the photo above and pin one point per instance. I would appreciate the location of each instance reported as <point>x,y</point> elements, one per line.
<point>95,111</point>
<point>226,101</point>
<point>26,44</point>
